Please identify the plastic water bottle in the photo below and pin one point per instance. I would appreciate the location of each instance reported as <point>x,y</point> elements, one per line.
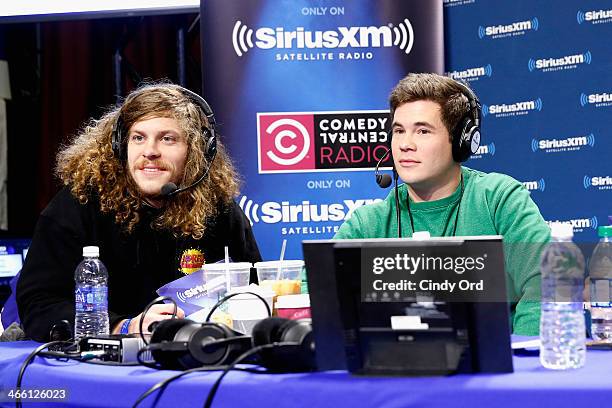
<point>91,295</point>
<point>600,275</point>
<point>562,327</point>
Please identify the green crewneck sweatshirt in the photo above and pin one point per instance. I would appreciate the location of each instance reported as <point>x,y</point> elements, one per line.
<point>492,204</point>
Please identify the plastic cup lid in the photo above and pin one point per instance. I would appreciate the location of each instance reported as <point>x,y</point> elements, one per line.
<point>293,301</point>
<point>282,264</point>
<point>222,266</point>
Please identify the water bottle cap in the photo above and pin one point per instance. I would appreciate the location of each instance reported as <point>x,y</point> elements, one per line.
<point>561,230</point>
<point>91,251</point>
<point>605,231</point>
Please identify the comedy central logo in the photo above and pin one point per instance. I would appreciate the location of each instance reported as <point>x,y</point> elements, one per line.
<point>513,109</point>
<point>507,30</point>
<point>557,64</point>
<point>245,38</point>
<point>295,142</point>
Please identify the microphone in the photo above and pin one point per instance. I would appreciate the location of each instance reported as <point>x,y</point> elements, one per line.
<point>170,189</point>
<point>383,180</point>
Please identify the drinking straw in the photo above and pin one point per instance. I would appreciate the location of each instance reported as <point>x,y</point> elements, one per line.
<point>282,256</point>
<point>227,272</point>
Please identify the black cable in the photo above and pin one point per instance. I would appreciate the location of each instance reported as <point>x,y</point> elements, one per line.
<point>162,384</point>
<point>456,215</point>
<point>458,207</point>
<point>226,298</point>
<point>243,356</point>
<point>398,215</point>
<point>25,364</point>
<point>146,309</point>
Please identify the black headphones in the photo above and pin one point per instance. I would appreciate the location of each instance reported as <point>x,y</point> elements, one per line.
<point>180,344</point>
<point>466,135</point>
<point>208,133</point>
<point>295,351</point>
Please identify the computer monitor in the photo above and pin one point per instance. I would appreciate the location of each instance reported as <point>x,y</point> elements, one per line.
<point>408,332</point>
<point>12,255</point>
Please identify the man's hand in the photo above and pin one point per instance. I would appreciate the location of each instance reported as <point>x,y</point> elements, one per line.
<point>156,313</point>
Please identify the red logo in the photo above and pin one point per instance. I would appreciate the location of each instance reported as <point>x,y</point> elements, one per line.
<point>286,142</point>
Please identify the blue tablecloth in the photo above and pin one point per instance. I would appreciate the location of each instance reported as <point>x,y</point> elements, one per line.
<point>102,386</point>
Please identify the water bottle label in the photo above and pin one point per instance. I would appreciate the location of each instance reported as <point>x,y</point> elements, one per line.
<point>91,299</point>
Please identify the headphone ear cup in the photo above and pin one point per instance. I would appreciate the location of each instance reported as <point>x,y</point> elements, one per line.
<point>165,332</point>
<point>462,140</point>
<point>211,146</point>
<point>295,357</point>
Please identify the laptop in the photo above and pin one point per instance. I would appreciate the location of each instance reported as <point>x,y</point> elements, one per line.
<point>366,327</point>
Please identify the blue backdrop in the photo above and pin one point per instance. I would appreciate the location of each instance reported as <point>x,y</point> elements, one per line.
<point>300,90</point>
<point>542,71</point>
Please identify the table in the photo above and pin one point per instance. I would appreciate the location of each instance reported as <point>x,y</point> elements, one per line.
<point>530,385</point>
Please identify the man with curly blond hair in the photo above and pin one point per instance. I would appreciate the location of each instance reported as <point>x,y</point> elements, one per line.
<point>158,203</point>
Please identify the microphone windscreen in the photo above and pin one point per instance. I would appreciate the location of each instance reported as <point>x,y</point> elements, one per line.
<point>383,180</point>
<point>168,189</point>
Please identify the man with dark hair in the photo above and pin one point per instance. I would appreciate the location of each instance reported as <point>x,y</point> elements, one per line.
<point>114,174</point>
<point>433,130</point>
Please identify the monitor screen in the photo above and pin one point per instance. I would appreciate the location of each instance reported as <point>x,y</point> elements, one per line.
<point>44,10</point>
<point>12,256</point>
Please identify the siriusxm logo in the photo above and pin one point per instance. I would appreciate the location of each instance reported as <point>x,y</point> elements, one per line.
<point>452,3</point>
<point>597,99</point>
<point>539,185</point>
<point>599,182</point>
<point>401,35</point>
<point>579,224</point>
<point>594,17</point>
<point>555,64</point>
<point>472,74</point>
<point>272,212</point>
<point>563,145</point>
<point>483,150</point>
<point>515,109</point>
<point>516,28</point>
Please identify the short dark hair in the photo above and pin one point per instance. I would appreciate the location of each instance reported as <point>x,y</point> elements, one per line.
<point>445,91</point>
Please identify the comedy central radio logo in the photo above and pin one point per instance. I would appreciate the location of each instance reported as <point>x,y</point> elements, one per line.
<point>291,142</point>
<point>245,38</point>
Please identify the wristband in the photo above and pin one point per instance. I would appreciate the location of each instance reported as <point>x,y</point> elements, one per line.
<point>125,327</point>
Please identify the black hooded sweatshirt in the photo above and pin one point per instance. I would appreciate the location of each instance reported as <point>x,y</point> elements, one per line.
<point>138,263</point>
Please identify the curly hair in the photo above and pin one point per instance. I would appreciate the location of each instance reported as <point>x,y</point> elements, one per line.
<point>432,87</point>
<point>88,165</point>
